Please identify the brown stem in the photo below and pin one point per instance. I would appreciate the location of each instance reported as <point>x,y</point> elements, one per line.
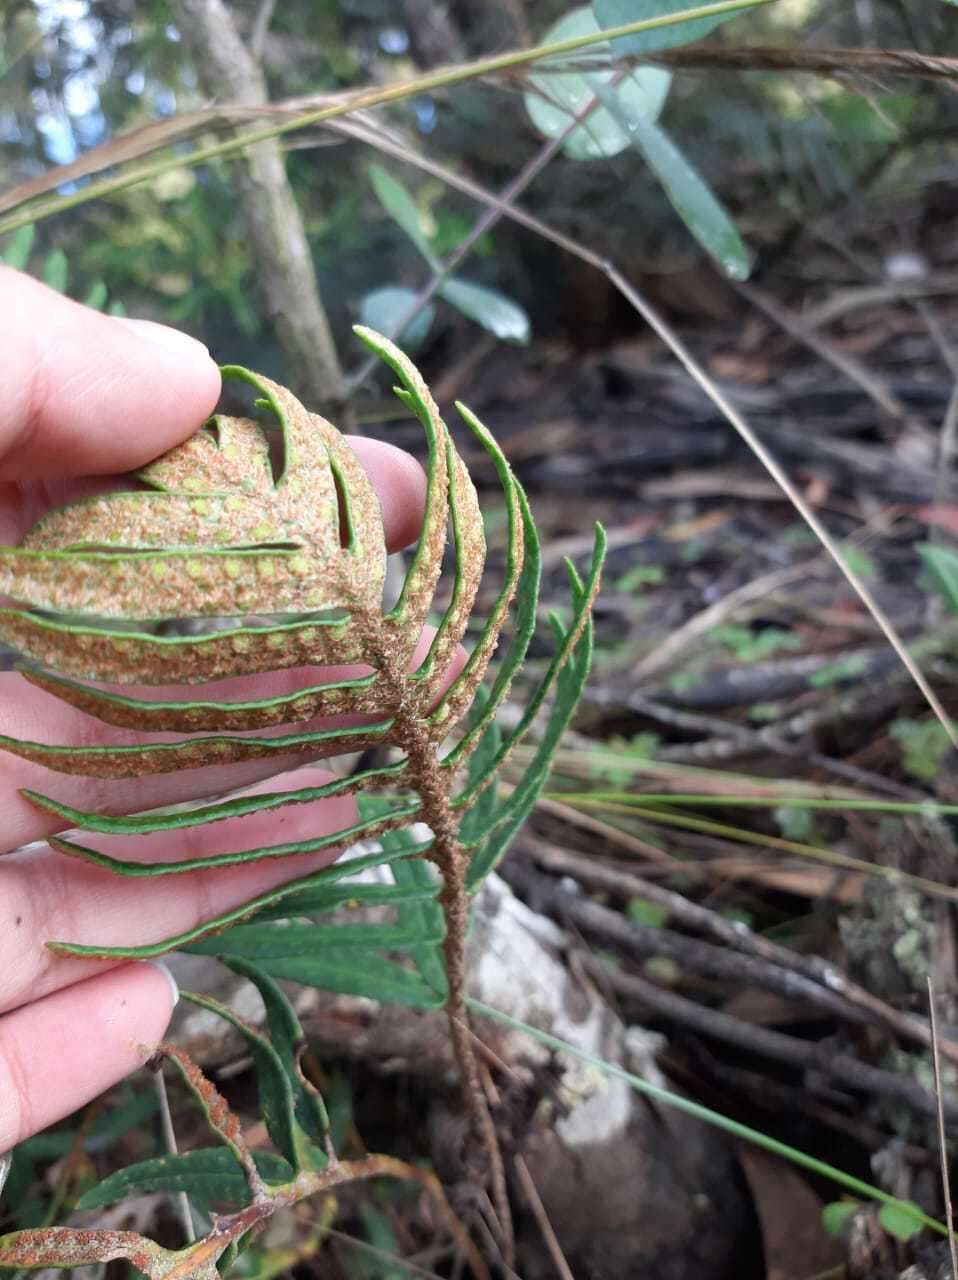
<point>410,733</point>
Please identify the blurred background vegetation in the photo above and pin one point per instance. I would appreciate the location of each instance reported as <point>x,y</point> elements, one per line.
<point>783,151</point>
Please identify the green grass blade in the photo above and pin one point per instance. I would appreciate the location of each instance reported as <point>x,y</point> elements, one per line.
<point>741,1132</point>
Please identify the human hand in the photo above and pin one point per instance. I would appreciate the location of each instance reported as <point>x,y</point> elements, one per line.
<point>87,397</point>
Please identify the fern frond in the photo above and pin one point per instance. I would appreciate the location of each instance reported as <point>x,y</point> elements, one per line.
<point>220,538</point>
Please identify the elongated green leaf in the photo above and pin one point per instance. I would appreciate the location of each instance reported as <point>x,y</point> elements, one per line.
<point>400,205</point>
<point>173,715</point>
<point>534,703</point>
<point>481,769</point>
<point>524,625</point>
<point>942,565</point>
<point>615,13</point>
<point>488,307</point>
<point>17,252</point>
<point>288,1041</point>
<point>410,611</point>
<point>189,753</point>
<point>421,916</point>
<point>275,1087</point>
<point>96,296</point>
<point>557,97</point>
<point>209,1176</point>
<point>344,958</point>
<point>354,972</point>
<point>386,308</point>
<point>92,650</point>
<point>509,818</point>
<point>56,270</point>
<point>263,942</point>
<point>314,902</point>
<point>688,194</point>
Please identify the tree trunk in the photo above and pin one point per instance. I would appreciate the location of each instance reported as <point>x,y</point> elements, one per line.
<point>280,251</point>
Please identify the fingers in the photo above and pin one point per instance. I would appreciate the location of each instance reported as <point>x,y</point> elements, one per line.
<point>90,394</point>
<point>26,712</point>
<point>400,485</point>
<point>48,897</point>
<point>63,1051</point>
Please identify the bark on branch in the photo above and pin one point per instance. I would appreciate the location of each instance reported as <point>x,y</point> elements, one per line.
<point>280,251</point>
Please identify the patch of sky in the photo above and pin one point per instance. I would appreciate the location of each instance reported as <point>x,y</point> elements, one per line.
<point>425,109</point>
<point>164,101</point>
<point>393,40</point>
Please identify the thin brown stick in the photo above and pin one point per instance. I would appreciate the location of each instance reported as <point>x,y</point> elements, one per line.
<point>942,1143</point>
<point>546,1229</point>
<point>760,1040</point>
<point>734,934</point>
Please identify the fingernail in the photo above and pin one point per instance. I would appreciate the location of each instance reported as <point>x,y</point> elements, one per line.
<point>163,335</point>
<point>174,989</point>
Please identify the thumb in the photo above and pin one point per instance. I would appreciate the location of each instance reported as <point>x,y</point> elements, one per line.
<point>90,394</point>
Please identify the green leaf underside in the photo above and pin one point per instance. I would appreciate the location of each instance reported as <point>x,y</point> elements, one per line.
<point>558,97</point>
<point>194,716</point>
<point>286,1036</point>
<point>209,1176</point>
<point>276,1099</point>
<point>688,194</point>
<point>139,760</point>
<point>615,13</point>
